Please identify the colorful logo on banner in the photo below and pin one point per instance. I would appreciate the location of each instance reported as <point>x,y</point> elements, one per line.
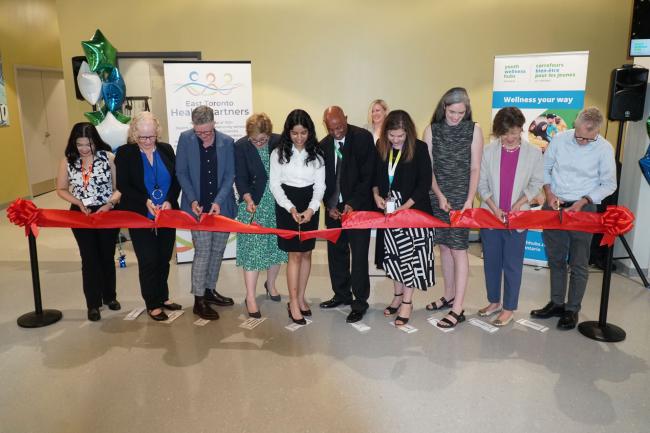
<point>209,85</point>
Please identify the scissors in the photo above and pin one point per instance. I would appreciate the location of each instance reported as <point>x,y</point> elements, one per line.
<point>252,217</point>
<point>560,214</point>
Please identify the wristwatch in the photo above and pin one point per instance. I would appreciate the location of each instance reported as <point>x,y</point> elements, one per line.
<point>589,200</point>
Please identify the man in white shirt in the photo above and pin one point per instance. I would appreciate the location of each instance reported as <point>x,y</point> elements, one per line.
<point>579,172</point>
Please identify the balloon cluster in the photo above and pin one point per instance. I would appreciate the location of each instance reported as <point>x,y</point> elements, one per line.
<point>99,79</point>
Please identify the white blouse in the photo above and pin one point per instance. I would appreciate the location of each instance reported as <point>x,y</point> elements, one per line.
<point>295,173</point>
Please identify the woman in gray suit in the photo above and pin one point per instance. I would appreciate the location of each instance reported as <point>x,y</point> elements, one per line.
<point>512,174</point>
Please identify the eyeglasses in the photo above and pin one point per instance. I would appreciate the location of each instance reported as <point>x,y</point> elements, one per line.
<point>587,139</point>
<point>147,138</point>
<point>259,142</point>
<point>204,133</point>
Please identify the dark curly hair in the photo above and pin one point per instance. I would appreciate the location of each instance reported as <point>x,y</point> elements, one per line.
<point>314,151</point>
<point>86,130</point>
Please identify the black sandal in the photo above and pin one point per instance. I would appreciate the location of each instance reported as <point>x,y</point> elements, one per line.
<point>443,306</point>
<point>393,310</point>
<point>404,320</point>
<point>445,323</point>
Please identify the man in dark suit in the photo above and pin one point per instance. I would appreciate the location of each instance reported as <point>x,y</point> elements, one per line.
<point>205,168</point>
<point>349,168</point>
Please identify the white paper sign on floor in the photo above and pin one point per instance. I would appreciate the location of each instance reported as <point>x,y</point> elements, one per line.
<point>409,329</point>
<point>173,316</point>
<point>294,326</point>
<point>360,326</point>
<point>533,325</point>
<point>201,322</point>
<point>433,321</point>
<point>252,322</point>
<point>483,325</point>
<point>134,314</point>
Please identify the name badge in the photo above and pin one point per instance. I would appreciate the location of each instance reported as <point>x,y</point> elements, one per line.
<point>391,205</point>
<point>87,201</point>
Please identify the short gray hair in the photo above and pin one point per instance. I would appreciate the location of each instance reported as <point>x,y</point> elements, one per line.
<point>202,115</point>
<point>455,95</point>
<point>590,117</point>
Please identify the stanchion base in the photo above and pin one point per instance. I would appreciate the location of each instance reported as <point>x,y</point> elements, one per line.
<point>608,333</point>
<point>33,320</point>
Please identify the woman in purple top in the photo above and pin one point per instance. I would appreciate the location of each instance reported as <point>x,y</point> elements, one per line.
<point>512,174</point>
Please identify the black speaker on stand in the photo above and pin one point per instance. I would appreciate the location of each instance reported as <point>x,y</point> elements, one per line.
<point>626,102</point>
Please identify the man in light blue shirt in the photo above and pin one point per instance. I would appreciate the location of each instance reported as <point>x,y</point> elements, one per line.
<point>579,172</point>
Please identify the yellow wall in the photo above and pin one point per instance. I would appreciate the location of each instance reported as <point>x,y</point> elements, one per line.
<point>29,36</point>
<point>311,54</point>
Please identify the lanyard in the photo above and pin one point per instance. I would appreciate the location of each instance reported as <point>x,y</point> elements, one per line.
<point>157,193</point>
<point>86,174</point>
<point>392,167</point>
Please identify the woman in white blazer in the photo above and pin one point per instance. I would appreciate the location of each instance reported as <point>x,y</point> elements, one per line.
<point>512,174</point>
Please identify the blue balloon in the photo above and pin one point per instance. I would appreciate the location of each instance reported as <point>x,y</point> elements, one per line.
<point>114,90</point>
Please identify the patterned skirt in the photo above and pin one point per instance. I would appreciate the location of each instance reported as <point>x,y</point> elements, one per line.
<point>408,254</point>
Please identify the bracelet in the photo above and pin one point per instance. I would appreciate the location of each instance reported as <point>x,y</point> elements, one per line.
<point>111,204</point>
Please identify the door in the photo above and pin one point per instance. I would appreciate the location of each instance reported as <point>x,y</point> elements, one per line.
<point>43,114</point>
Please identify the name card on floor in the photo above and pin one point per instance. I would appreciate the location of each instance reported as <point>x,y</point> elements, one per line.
<point>252,322</point>
<point>173,316</point>
<point>360,326</point>
<point>134,314</point>
<point>294,326</point>
<point>433,321</point>
<point>409,329</point>
<point>483,325</point>
<point>533,325</point>
<point>201,322</point>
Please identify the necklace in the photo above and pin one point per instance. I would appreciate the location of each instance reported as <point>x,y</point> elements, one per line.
<point>514,149</point>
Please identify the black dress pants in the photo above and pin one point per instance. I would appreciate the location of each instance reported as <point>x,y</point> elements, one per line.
<point>350,281</point>
<point>97,251</point>
<point>154,251</point>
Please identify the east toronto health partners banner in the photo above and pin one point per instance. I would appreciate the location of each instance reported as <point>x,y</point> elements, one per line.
<point>549,88</point>
<point>224,86</point>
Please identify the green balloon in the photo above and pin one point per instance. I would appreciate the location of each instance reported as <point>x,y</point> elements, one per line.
<point>95,117</point>
<point>100,53</point>
<point>121,117</point>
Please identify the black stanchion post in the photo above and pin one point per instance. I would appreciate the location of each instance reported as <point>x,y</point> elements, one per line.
<point>601,330</point>
<point>38,317</point>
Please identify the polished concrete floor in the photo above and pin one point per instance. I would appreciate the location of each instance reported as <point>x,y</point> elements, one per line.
<point>140,376</point>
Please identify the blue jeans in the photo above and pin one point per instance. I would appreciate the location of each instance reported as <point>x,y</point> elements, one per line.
<point>503,257</point>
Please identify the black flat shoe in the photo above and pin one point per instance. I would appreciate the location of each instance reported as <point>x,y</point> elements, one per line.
<point>203,310</point>
<point>162,316</point>
<point>94,314</point>
<point>445,323</point>
<point>354,316</point>
<point>301,321</point>
<point>569,320</point>
<point>444,304</point>
<point>114,305</point>
<point>255,315</point>
<point>549,310</point>
<point>274,298</point>
<point>213,297</point>
<point>403,320</point>
<point>333,303</point>
<point>172,306</point>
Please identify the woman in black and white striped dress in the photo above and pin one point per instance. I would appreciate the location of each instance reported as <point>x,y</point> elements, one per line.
<point>402,181</point>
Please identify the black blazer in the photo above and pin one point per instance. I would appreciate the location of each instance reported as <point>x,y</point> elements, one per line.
<point>412,179</point>
<point>358,165</point>
<point>130,177</point>
<point>250,175</point>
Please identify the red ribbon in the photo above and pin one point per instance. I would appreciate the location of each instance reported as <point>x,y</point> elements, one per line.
<point>615,221</point>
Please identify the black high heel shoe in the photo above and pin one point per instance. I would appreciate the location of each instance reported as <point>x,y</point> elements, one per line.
<point>274,298</point>
<point>296,321</point>
<point>403,320</point>
<point>306,312</point>
<point>255,315</point>
<point>392,310</point>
